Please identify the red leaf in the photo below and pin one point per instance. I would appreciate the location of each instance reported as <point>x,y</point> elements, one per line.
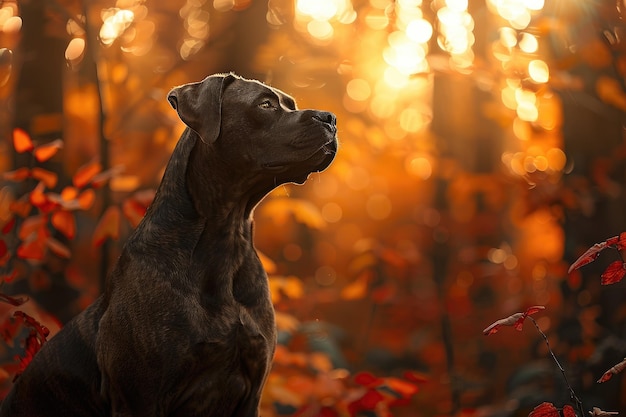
<point>613,371</point>
<point>508,321</point>
<point>44,152</point>
<point>530,310</point>
<point>415,376</point>
<point>86,173</point>
<point>34,341</point>
<point>544,410</point>
<point>30,226</point>
<point>65,223</point>
<point>368,401</point>
<point>42,331</point>
<point>3,248</point>
<point>21,141</point>
<point>516,320</point>
<point>328,412</point>
<point>534,309</point>
<point>605,377</point>
<point>33,250</point>
<point>367,379</point>
<point>621,243</point>
<point>40,199</point>
<point>15,301</point>
<point>108,226</point>
<point>568,411</point>
<point>613,273</point>
<point>133,211</point>
<point>9,277</point>
<point>8,226</point>
<point>589,256</point>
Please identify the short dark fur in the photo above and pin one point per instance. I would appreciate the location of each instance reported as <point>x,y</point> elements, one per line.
<point>185,326</point>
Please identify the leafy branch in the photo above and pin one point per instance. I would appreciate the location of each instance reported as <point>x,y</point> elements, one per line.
<point>612,274</point>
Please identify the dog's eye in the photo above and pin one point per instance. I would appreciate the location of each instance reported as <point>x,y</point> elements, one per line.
<point>267,104</point>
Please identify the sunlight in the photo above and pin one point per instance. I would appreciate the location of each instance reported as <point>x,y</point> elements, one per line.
<point>75,49</point>
<point>456,36</point>
<point>529,43</point>
<point>538,71</point>
<point>358,89</point>
<point>419,30</point>
<point>508,36</point>
<point>115,22</point>
<point>315,16</point>
<point>10,22</point>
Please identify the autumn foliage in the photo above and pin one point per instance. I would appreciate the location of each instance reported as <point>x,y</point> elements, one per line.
<point>613,273</point>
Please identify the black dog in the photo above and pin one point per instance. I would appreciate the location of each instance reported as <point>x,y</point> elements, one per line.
<point>185,326</point>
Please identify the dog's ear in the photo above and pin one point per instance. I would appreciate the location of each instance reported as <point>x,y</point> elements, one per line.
<point>199,105</point>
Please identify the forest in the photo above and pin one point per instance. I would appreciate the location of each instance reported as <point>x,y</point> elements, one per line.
<point>463,254</point>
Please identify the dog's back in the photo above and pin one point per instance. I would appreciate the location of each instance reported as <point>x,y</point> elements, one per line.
<point>63,379</point>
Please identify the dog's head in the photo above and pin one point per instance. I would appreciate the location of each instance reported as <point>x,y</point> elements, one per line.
<point>257,128</point>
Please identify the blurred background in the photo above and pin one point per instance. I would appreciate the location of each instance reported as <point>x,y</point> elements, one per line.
<point>482,151</point>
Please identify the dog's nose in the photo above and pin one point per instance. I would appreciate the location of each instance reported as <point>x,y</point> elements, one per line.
<point>327,118</point>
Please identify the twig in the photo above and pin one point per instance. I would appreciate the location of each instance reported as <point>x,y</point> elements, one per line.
<point>573,396</point>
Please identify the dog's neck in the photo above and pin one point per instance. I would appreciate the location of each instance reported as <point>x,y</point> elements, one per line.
<point>196,203</point>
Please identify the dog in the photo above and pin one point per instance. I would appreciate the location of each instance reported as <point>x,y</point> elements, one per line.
<point>185,325</point>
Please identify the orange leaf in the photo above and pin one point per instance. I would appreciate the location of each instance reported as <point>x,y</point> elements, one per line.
<point>415,376</point>
<point>47,177</point>
<point>19,174</point>
<point>30,226</point>
<point>100,179</point>
<point>44,152</point>
<point>21,207</point>
<point>40,200</point>
<point>405,388</point>
<point>58,248</point>
<point>290,286</point>
<point>21,141</point>
<point>86,199</point>
<point>65,223</point>
<point>86,173</point>
<point>108,226</point>
<point>133,211</point>
<point>357,289</point>
<point>69,193</point>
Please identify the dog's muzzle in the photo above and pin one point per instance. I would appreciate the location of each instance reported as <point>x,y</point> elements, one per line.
<point>328,119</point>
